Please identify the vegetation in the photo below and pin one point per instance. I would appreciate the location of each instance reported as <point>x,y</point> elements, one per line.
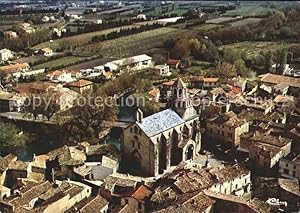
<point>11,139</point>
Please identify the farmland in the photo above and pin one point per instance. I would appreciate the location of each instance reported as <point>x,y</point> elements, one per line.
<point>84,38</point>
<point>251,11</point>
<point>253,48</point>
<point>59,62</point>
<point>246,22</point>
<point>139,43</point>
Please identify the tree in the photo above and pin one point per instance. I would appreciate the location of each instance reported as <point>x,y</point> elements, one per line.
<point>87,119</point>
<point>45,104</point>
<point>282,60</point>
<point>225,70</point>
<point>11,139</point>
<point>181,49</point>
<point>241,69</point>
<point>268,61</point>
<point>231,55</point>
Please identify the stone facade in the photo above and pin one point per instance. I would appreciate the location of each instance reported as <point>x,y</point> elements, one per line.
<point>153,144</point>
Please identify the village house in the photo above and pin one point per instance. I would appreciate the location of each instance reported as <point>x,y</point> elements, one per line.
<point>233,179</point>
<point>226,203</point>
<point>61,162</point>
<point>154,94</point>
<point>91,204</point>
<point>173,63</point>
<point>26,28</point>
<point>10,34</point>
<point>10,102</point>
<point>286,191</point>
<point>290,167</point>
<point>274,79</point>
<point>162,70</point>
<point>75,74</point>
<point>227,128</point>
<point>203,83</point>
<point>47,52</point>
<point>138,198</point>
<point>14,70</point>
<point>5,55</point>
<point>36,88</point>
<point>118,185</point>
<point>45,196</point>
<point>155,143</point>
<point>134,63</point>
<point>59,76</point>
<point>81,86</point>
<point>184,183</point>
<point>265,150</point>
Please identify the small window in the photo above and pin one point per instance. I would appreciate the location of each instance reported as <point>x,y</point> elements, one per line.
<point>286,171</point>
<point>286,165</point>
<point>126,201</point>
<point>294,173</point>
<point>131,129</point>
<point>138,145</point>
<point>294,167</point>
<point>222,133</point>
<point>140,205</point>
<point>132,143</point>
<point>236,186</point>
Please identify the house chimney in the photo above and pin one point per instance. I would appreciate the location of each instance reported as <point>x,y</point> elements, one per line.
<point>139,115</point>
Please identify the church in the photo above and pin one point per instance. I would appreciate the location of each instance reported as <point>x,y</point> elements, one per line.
<point>153,144</point>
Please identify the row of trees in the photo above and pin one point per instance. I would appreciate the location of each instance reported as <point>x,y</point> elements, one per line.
<point>125,32</point>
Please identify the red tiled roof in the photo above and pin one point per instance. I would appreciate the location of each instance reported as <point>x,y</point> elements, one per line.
<point>14,67</point>
<point>55,73</point>
<point>173,61</point>
<point>80,83</point>
<point>141,193</point>
<point>154,92</point>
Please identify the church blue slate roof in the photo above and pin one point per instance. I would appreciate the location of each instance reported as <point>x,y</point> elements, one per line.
<point>159,122</point>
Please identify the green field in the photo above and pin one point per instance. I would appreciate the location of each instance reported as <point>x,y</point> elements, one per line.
<point>59,62</point>
<point>246,21</point>
<point>250,11</point>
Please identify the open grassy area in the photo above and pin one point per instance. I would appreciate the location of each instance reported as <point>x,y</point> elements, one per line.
<point>254,48</point>
<point>59,62</point>
<point>250,11</point>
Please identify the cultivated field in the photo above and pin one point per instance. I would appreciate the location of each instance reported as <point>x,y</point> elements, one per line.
<point>254,48</point>
<point>84,38</point>
<point>250,11</point>
<point>139,43</point>
<point>246,22</point>
<point>221,20</point>
<point>59,62</point>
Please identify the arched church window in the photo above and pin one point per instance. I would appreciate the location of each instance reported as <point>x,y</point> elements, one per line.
<point>139,145</point>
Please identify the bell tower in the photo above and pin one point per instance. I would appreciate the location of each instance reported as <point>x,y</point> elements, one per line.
<point>181,102</point>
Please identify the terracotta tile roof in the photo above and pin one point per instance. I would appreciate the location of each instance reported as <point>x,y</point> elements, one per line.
<point>68,156</point>
<point>96,205</point>
<point>55,73</point>
<point>80,83</point>
<point>168,83</point>
<point>173,61</point>
<point>14,67</point>
<point>34,87</point>
<point>154,92</point>
<point>141,193</point>
<point>277,79</point>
